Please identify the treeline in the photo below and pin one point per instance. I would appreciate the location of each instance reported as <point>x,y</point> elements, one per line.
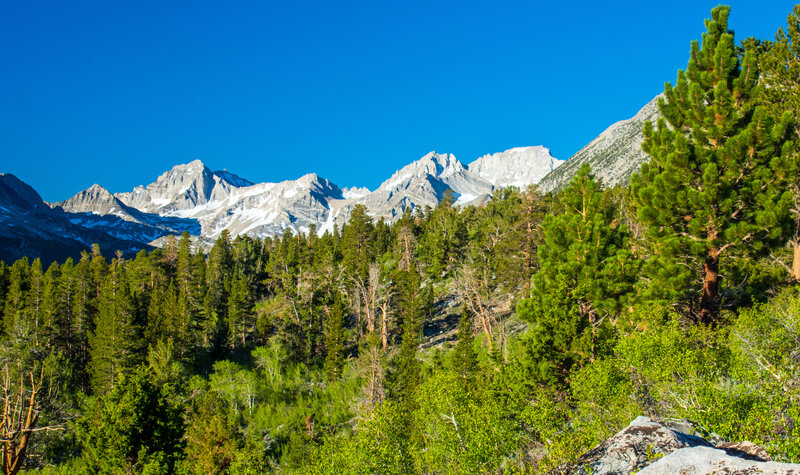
<point>577,312</point>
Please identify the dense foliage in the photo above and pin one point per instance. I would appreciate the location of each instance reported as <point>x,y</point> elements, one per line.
<point>510,337</point>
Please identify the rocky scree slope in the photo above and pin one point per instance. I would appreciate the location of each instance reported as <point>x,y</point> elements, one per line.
<point>614,155</point>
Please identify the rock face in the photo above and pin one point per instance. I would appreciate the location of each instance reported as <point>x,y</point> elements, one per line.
<point>707,460</point>
<point>614,155</point>
<point>29,227</point>
<point>650,447</point>
<point>96,208</point>
<point>519,166</point>
<point>635,447</point>
<point>183,187</point>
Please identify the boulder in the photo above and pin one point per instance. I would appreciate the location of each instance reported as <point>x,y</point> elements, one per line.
<point>635,447</point>
<point>669,446</point>
<point>708,460</point>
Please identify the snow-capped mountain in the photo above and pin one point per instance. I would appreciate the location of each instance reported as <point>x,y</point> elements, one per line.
<point>193,198</point>
<point>97,208</point>
<point>518,167</point>
<point>423,183</point>
<point>183,187</point>
<point>614,155</point>
<point>266,209</point>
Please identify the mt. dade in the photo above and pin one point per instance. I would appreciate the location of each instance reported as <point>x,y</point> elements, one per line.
<point>183,187</point>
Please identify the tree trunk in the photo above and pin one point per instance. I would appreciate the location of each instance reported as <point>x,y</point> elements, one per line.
<point>709,302</point>
<point>796,260</point>
<point>385,325</point>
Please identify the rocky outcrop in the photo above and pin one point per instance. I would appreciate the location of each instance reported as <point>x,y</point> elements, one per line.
<point>650,447</point>
<point>635,447</point>
<point>707,460</point>
<point>614,155</point>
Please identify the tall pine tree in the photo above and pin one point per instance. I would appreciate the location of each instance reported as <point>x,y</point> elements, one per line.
<point>586,279</point>
<point>709,190</point>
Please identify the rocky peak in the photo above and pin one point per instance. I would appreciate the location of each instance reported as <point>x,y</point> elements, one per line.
<point>432,165</point>
<point>614,155</point>
<point>232,179</point>
<point>183,187</point>
<point>438,164</point>
<point>16,193</point>
<point>520,166</point>
<point>94,199</point>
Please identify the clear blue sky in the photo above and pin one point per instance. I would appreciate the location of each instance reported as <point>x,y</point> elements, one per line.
<point>118,92</point>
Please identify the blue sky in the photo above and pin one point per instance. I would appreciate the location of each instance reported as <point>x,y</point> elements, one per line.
<point>118,92</point>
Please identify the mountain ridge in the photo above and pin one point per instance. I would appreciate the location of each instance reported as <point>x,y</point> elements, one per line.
<point>191,197</point>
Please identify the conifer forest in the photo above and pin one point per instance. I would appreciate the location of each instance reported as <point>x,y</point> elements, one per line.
<point>510,337</point>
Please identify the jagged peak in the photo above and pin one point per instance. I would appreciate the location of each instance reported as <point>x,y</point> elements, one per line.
<point>97,189</point>
<point>196,163</point>
<point>232,178</point>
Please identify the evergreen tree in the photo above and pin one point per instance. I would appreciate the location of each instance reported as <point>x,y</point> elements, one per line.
<point>465,360</point>
<point>15,308</point>
<point>709,189</point>
<point>136,427</point>
<point>358,243</point>
<point>84,309</point>
<point>219,277</point>
<point>3,281</point>
<point>240,313</point>
<point>780,77</point>
<point>115,343</point>
<point>34,301</point>
<point>334,338</point>
<point>585,280</point>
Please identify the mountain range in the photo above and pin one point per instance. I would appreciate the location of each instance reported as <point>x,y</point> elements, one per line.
<point>193,198</point>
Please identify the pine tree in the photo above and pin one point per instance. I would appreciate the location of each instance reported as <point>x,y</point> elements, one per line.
<point>15,309</point>
<point>585,280</point>
<point>219,278</point>
<point>114,345</point>
<point>84,309</point>
<point>334,338</point>
<point>709,190</point>
<point>465,360</point>
<point>780,78</point>
<point>34,302</point>
<point>240,313</point>
<point>358,243</point>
